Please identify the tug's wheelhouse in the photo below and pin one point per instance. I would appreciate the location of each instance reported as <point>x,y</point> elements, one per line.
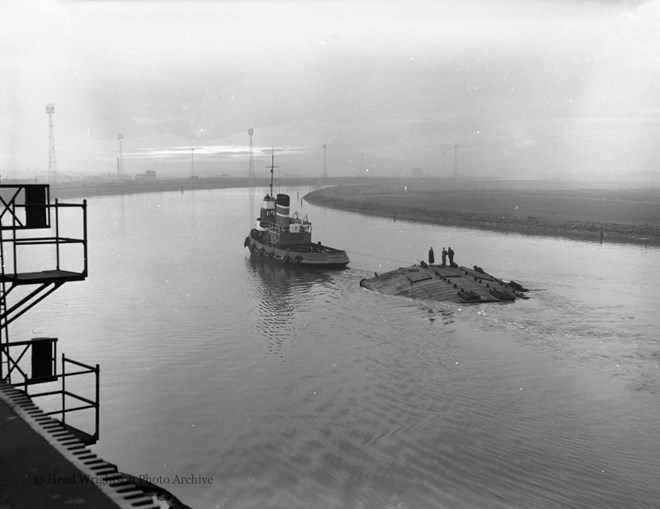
<point>267,214</point>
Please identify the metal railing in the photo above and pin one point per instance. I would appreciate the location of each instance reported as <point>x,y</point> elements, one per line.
<point>89,404</point>
<point>13,361</point>
<point>57,240</point>
<point>62,392</point>
<point>27,207</point>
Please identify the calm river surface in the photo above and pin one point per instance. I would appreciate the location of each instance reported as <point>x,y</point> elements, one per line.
<point>294,389</point>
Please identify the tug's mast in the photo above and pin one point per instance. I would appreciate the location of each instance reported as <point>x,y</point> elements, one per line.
<point>272,170</point>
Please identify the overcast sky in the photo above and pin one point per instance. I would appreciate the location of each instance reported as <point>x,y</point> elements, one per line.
<point>522,87</point>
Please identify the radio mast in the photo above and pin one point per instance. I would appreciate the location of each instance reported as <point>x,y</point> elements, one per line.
<point>192,163</point>
<point>251,163</point>
<point>52,163</point>
<point>120,158</point>
<point>325,161</point>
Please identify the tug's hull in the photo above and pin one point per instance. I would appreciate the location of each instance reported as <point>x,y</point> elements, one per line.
<point>303,255</point>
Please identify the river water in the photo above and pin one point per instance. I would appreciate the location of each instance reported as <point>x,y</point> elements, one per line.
<point>239,384</point>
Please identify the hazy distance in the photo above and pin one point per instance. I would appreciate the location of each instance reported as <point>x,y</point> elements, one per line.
<point>521,88</point>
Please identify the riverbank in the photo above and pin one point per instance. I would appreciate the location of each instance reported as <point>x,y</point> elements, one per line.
<point>84,189</point>
<point>621,212</point>
<point>630,215</point>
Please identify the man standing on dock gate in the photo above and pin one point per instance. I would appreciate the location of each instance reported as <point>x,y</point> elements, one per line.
<point>431,256</point>
<point>450,253</point>
<point>444,257</point>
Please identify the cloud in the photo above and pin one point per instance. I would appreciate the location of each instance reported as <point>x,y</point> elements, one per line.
<point>220,151</point>
<point>513,83</point>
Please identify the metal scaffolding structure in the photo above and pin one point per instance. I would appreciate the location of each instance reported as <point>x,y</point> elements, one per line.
<point>30,222</point>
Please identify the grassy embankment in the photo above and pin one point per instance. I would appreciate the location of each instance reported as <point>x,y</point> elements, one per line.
<point>83,189</point>
<point>622,215</point>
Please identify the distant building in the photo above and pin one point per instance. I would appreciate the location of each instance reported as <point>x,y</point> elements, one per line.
<point>417,172</point>
<point>147,175</point>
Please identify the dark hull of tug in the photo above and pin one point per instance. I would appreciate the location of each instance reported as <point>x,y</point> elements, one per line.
<point>304,255</point>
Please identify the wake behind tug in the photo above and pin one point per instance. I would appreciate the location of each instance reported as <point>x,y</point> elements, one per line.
<point>286,239</point>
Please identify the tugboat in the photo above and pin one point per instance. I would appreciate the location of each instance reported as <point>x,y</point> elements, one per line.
<point>285,239</point>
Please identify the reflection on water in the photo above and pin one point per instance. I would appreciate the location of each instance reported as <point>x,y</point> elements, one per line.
<point>280,290</point>
<point>301,389</point>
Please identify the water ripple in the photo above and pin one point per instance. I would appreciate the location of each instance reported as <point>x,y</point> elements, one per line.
<point>300,389</point>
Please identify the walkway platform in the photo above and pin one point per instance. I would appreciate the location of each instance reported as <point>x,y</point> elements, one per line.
<point>43,465</point>
<point>43,277</point>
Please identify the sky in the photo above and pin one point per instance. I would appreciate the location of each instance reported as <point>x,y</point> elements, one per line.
<point>484,88</point>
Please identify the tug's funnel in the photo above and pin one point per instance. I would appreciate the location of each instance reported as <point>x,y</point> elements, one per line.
<point>282,210</point>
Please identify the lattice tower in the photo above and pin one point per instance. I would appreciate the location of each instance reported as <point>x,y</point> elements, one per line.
<point>251,163</point>
<point>325,161</point>
<point>52,162</point>
<point>120,157</point>
<point>192,162</point>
